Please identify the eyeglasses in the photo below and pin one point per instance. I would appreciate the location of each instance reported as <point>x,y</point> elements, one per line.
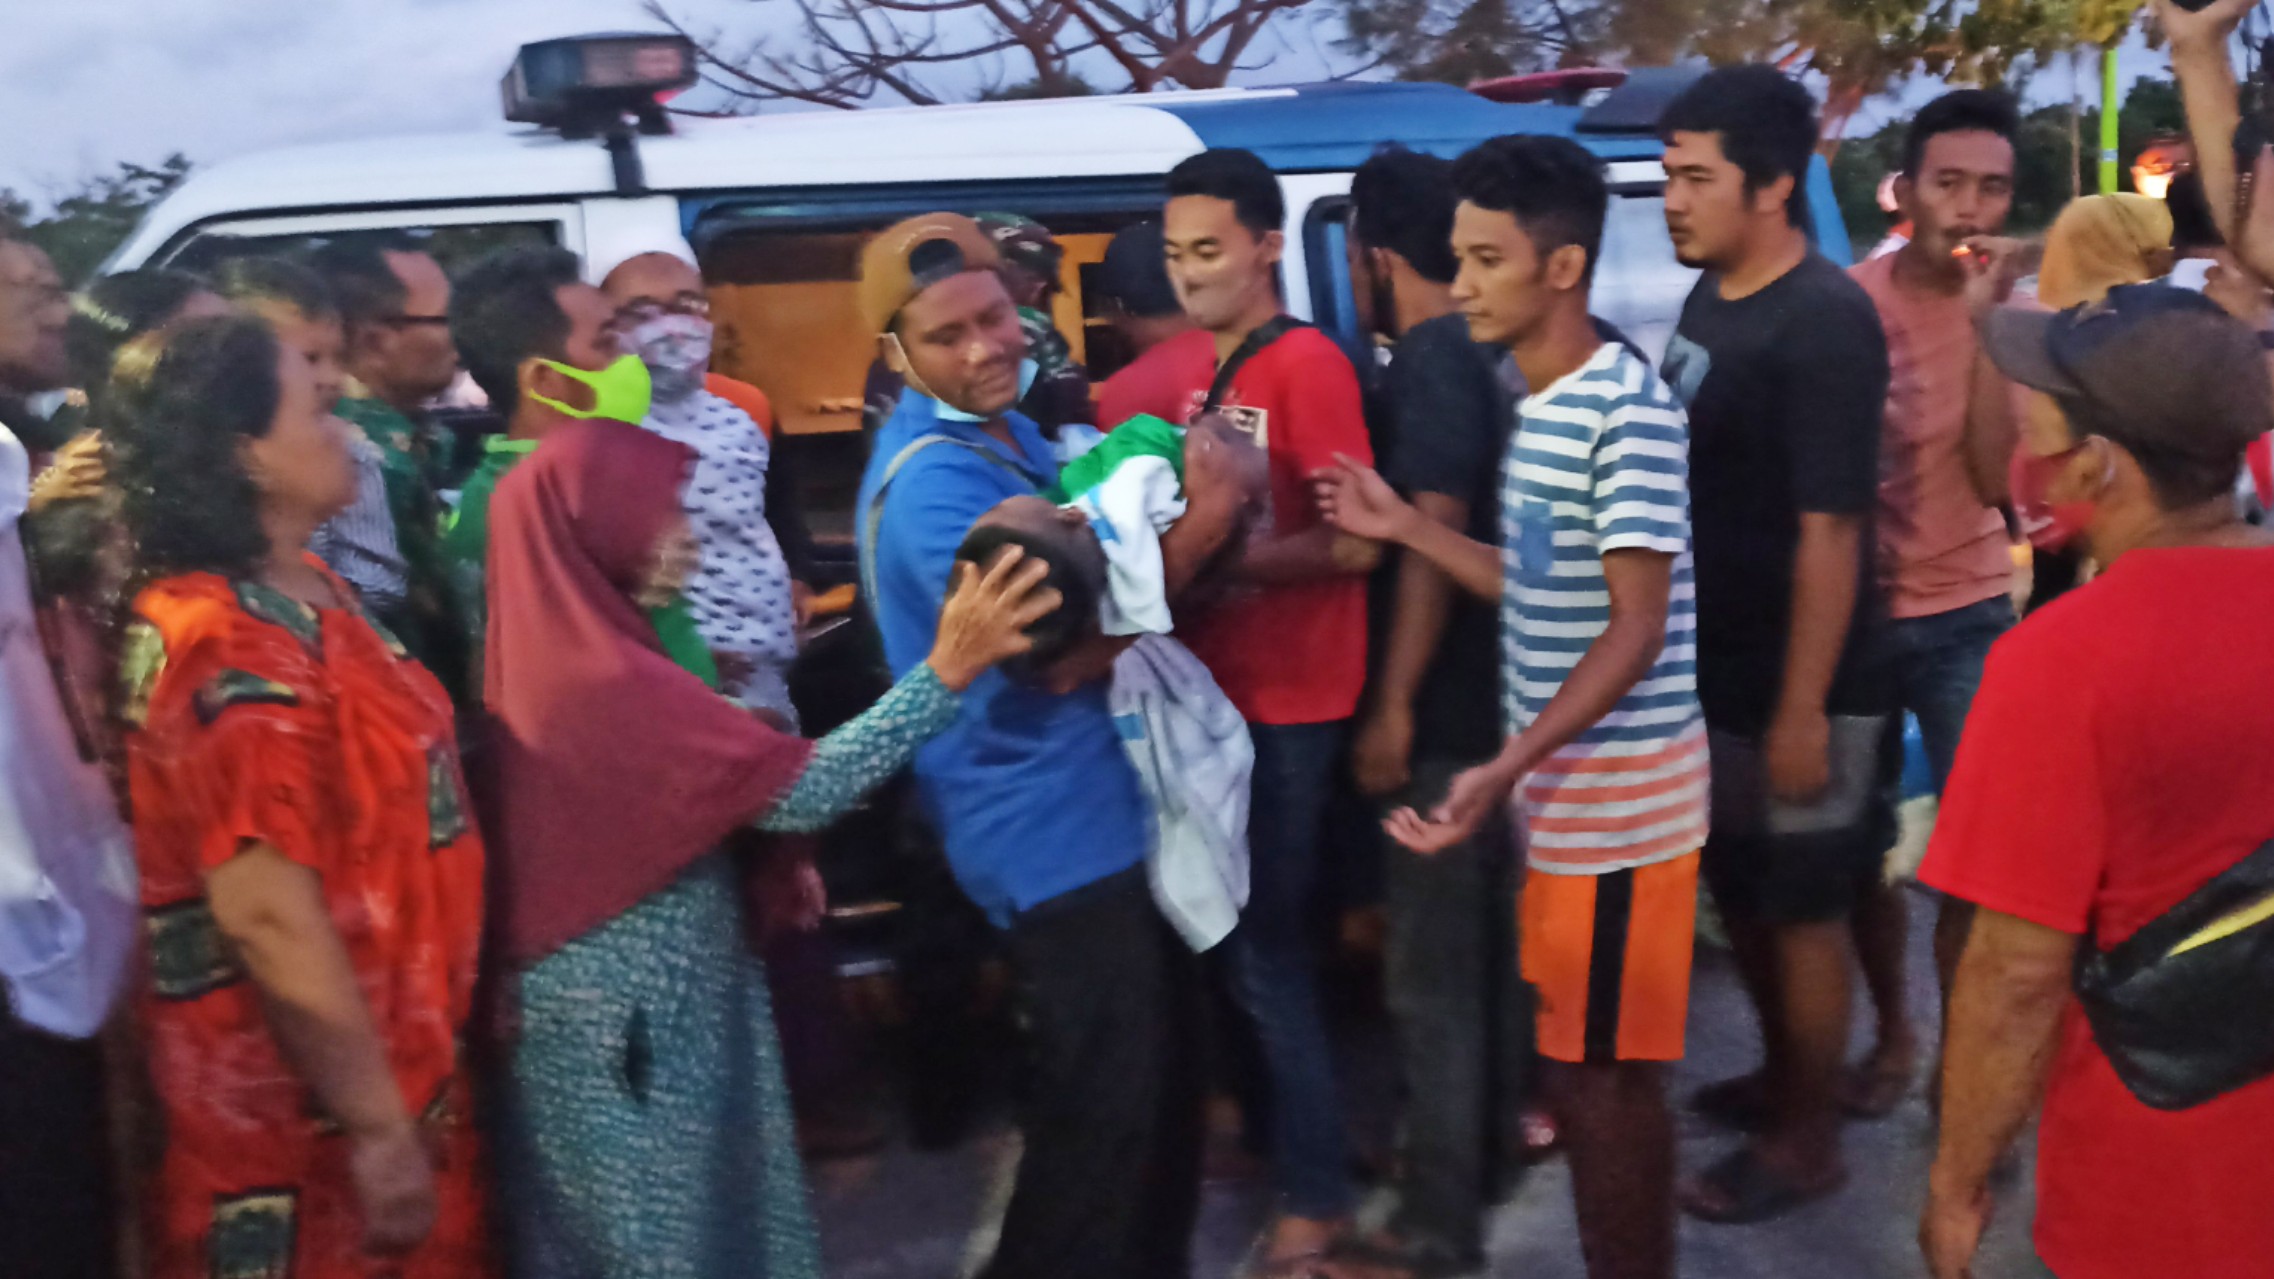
<point>645,309</point>
<point>416,321</point>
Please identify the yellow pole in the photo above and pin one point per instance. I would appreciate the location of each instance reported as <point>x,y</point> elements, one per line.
<point>2109,107</point>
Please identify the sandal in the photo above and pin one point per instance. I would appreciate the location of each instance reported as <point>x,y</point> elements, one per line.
<point>1741,1103</point>
<point>1741,1190</point>
<point>1312,1263</point>
<point>1874,1088</point>
<point>1388,1255</point>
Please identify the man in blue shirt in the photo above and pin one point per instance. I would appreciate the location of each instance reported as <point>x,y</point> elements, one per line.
<point>1037,804</point>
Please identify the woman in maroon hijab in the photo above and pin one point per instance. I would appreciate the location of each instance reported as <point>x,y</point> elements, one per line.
<point>652,1129</point>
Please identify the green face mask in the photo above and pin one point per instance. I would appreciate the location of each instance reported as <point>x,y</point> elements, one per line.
<point>620,392</point>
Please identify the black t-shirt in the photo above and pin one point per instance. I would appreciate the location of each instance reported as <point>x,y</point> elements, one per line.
<point>1440,424</point>
<point>1786,389</point>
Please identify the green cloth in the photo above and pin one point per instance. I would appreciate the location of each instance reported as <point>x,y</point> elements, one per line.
<point>648,1129</point>
<point>1140,436</point>
<point>675,626</point>
<point>466,543</point>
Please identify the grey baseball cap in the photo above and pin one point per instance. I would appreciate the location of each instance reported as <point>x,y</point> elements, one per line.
<point>2151,367</point>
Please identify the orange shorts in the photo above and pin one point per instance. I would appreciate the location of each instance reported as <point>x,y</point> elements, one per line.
<point>1608,957</point>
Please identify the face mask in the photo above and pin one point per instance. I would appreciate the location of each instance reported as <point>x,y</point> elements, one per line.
<point>620,393</point>
<point>1028,372</point>
<point>677,352</point>
<point>2066,522</point>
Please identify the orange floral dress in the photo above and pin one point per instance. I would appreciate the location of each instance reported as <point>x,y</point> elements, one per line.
<point>254,718</point>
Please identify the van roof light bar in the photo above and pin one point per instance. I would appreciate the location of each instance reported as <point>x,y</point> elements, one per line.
<point>607,85</point>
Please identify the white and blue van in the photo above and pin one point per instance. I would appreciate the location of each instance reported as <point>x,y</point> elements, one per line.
<point>777,205</point>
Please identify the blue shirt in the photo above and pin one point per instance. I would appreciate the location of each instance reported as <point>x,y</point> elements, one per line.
<point>1599,464</point>
<point>1032,793</point>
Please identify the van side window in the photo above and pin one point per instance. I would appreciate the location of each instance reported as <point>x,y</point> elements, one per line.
<point>455,247</point>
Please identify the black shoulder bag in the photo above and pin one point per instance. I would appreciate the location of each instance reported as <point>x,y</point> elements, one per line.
<point>2184,1008</point>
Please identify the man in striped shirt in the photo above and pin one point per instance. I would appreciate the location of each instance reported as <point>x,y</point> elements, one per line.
<point>1606,750</point>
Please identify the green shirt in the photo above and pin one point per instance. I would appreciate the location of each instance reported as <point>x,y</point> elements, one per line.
<point>403,455</point>
<point>465,545</point>
<point>1140,436</point>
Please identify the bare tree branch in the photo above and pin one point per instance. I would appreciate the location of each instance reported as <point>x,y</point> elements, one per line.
<point>846,53</point>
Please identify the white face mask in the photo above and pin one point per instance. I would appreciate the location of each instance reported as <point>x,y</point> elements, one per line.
<point>677,352</point>
<point>946,412</point>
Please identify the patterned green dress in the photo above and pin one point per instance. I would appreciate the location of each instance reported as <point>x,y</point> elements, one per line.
<point>651,1132</point>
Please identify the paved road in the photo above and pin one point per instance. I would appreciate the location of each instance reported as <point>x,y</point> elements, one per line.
<point>908,1215</point>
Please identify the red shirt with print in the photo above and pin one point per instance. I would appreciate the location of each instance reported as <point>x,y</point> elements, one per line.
<point>2117,757</point>
<point>1284,654</point>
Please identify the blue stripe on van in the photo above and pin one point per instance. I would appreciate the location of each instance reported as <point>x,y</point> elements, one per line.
<point>1334,127</point>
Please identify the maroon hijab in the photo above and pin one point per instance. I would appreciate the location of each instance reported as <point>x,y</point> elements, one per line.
<point>615,768</point>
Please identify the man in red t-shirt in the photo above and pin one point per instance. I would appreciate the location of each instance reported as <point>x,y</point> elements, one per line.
<point>1287,642</point>
<point>2115,761</point>
<point>1133,284</point>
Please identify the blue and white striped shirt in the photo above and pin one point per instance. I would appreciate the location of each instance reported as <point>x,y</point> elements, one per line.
<point>1599,463</point>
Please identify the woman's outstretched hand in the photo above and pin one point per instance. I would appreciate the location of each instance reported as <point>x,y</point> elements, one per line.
<point>986,615</point>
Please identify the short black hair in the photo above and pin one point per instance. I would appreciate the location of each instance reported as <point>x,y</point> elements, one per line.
<point>251,281</point>
<point>1403,201</point>
<point>1767,123</point>
<point>1229,173</point>
<point>1553,187</point>
<point>114,311</point>
<point>1135,272</point>
<point>2193,229</point>
<point>504,310</point>
<point>365,288</point>
<point>1959,111</point>
<point>182,401</point>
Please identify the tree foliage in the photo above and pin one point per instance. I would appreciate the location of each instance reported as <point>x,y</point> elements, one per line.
<point>1858,47</point>
<point>1463,41</point>
<point>851,53</point>
<point>84,226</point>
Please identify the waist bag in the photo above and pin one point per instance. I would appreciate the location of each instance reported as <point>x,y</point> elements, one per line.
<point>2184,1008</point>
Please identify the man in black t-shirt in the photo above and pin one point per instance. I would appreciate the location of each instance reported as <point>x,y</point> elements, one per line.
<point>1783,364</point>
<point>1440,423</point>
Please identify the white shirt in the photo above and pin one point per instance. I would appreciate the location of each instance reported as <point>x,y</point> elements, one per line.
<point>741,595</point>
<point>69,909</point>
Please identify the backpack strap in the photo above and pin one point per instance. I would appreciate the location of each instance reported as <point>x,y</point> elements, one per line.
<point>873,517</point>
<point>1269,332</point>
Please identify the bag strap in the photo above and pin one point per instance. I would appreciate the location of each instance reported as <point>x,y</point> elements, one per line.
<point>2239,886</point>
<point>873,517</point>
<point>1269,332</point>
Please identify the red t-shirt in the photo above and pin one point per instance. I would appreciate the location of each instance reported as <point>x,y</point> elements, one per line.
<point>1152,383</point>
<point>1293,654</point>
<point>2121,753</point>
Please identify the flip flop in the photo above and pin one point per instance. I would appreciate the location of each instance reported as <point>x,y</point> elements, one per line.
<point>1313,1264</point>
<point>1741,1103</point>
<point>1746,1191</point>
<point>1874,1091</point>
<point>1387,1254</point>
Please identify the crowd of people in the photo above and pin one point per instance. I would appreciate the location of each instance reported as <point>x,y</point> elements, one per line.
<point>380,873</point>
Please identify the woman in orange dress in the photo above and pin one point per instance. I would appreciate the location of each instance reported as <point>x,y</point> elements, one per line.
<point>311,876</point>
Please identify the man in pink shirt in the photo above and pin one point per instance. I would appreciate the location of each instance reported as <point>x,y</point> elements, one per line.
<point>1945,559</point>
